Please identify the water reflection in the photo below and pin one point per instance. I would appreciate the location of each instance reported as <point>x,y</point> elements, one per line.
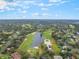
<point>37,40</point>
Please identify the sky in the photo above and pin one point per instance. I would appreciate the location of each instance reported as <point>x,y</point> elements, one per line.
<point>39,9</point>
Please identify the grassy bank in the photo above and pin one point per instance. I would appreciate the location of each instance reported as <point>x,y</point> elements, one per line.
<point>27,42</point>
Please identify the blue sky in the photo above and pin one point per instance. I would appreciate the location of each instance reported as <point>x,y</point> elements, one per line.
<point>39,9</point>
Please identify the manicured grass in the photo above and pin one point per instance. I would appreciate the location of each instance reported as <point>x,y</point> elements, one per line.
<point>55,46</point>
<point>27,42</point>
<point>47,34</point>
<point>56,49</point>
<point>29,38</point>
<point>5,56</point>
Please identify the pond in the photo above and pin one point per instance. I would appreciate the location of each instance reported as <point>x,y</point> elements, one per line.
<point>37,40</point>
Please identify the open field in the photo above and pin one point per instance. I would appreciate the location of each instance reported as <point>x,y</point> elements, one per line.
<point>27,42</point>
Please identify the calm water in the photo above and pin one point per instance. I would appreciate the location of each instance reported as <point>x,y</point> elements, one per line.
<point>37,40</point>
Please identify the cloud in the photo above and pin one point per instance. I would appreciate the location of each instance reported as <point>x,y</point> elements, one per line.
<point>35,14</point>
<point>2,4</point>
<point>55,1</point>
<point>62,2</point>
<point>56,15</point>
<point>23,7</point>
<point>24,11</point>
<point>45,14</point>
<point>77,8</point>
<point>58,1</point>
<point>9,9</point>
<point>1,10</point>
<point>26,4</point>
<point>50,3</point>
<point>42,4</point>
<point>29,2</point>
<point>40,14</point>
<point>44,9</point>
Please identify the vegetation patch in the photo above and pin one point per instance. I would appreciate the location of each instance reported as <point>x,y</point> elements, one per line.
<point>5,56</point>
<point>47,34</point>
<point>27,42</point>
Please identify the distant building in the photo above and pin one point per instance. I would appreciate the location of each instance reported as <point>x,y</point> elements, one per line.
<point>47,43</point>
<point>16,55</point>
<point>58,57</point>
<point>31,58</point>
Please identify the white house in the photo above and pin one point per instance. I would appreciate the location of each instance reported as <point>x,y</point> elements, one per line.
<point>47,43</point>
<point>58,57</point>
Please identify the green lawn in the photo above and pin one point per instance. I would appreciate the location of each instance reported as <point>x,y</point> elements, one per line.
<point>5,56</point>
<point>29,38</point>
<point>56,49</point>
<point>27,42</point>
<point>47,34</point>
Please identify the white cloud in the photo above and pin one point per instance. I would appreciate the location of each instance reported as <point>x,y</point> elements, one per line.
<point>24,16</point>
<point>2,4</point>
<point>54,1</point>
<point>56,15</point>
<point>26,7</point>
<point>12,3</point>
<point>9,9</point>
<point>62,2</point>
<point>21,6</point>
<point>76,8</point>
<point>26,4</point>
<point>40,14</point>
<point>24,11</point>
<point>41,4</point>
<point>45,9</point>
<point>58,2</point>
<point>29,2</point>
<point>50,3</point>
<point>45,14</point>
<point>35,14</point>
<point>2,10</point>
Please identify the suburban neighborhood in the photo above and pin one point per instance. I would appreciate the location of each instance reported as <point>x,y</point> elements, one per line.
<point>41,40</point>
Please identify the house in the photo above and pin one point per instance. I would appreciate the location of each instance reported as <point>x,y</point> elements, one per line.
<point>47,43</point>
<point>31,58</point>
<point>58,57</point>
<point>77,33</point>
<point>16,55</point>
